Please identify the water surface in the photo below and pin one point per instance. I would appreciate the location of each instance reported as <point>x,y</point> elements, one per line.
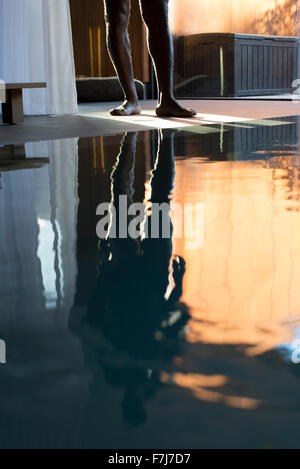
<point>152,343</point>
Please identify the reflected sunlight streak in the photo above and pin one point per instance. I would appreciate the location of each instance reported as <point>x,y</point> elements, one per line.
<point>198,385</point>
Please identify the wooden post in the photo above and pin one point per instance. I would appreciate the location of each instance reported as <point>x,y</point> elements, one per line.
<point>12,110</point>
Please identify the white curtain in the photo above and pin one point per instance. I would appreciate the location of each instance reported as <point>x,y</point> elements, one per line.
<point>36,45</point>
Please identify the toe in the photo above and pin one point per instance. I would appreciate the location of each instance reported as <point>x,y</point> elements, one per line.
<point>118,112</point>
<point>192,112</point>
<point>114,112</point>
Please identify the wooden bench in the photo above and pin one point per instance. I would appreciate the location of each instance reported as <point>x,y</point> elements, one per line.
<point>13,158</point>
<point>12,109</point>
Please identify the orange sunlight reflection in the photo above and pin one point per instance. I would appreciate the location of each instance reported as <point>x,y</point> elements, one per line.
<point>198,385</point>
<point>243,284</point>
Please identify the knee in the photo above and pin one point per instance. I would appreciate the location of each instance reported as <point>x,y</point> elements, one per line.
<point>157,27</point>
<point>156,19</point>
<point>117,24</point>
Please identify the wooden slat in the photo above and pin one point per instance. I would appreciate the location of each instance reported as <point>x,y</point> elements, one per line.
<point>89,40</point>
<point>17,86</point>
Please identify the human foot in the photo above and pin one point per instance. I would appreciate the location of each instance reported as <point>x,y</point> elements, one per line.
<point>128,108</point>
<point>173,109</point>
<point>179,267</point>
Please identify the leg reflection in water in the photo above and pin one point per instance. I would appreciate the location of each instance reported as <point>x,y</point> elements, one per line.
<point>136,304</point>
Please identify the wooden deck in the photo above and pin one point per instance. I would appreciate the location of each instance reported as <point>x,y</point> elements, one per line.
<point>94,119</point>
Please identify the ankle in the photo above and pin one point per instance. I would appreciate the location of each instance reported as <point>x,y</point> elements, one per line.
<point>132,99</point>
<point>166,99</point>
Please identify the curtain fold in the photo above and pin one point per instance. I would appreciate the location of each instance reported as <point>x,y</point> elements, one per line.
<point>59,57</point>
<point>37,46</point>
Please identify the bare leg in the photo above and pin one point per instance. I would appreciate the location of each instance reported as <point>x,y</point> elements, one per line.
<point>155,14</point>
<point>117,13</point>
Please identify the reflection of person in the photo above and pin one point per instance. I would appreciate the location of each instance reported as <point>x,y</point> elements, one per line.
<point>155,15</point>
<point>130,305</point>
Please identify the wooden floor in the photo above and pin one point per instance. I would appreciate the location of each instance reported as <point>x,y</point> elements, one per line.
<point>94,119</point>
<point>249,109</point>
